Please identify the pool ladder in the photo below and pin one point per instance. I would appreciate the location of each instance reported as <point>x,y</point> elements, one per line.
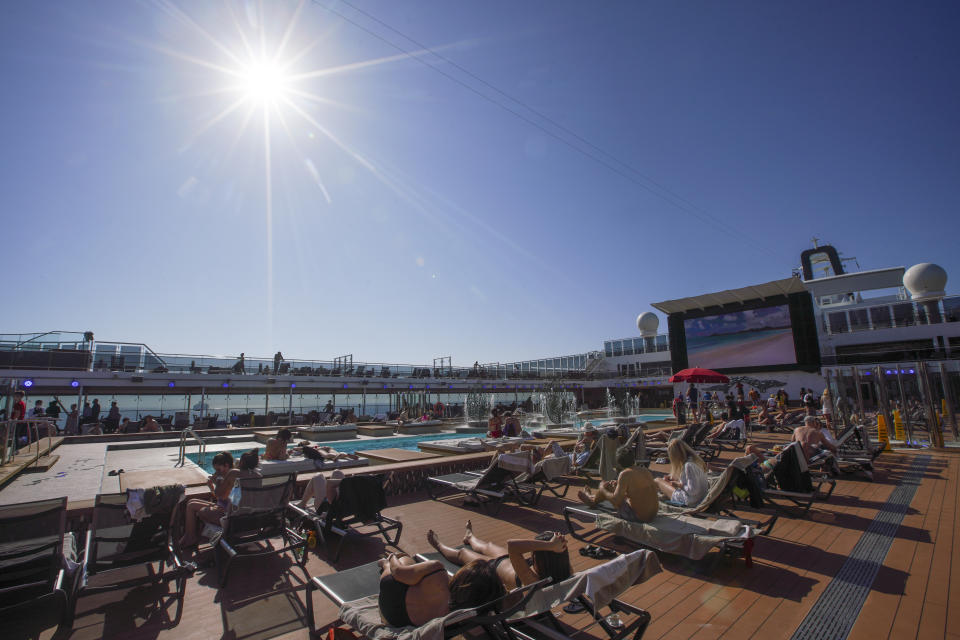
<point>182,455</point>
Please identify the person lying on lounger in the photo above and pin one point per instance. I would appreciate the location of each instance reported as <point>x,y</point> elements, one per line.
<point>548,552</point>
<point>764,419</point>
<point>727,429</point>
<point>810,437</point>
<point>633,494</point>
<point>687,483</point>
<point>413,593</point>
<point>325,453</point>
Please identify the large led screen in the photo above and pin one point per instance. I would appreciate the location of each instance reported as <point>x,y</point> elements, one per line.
<point>754,338</point>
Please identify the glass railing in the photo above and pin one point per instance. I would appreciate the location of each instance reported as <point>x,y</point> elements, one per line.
<point>893,315</point>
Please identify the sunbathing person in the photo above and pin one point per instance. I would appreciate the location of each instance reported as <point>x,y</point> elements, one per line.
<point>764,419</point>
<point>221,483</point>
<point>728,430</point>
<point>495,425</point>
<point>633,494</point>
<point>511,425</point>
<point>539,452</point>
<point>277,446</point>
<point>584,447</point>
<point>325,453</point>
<point>687,483</point>
<point>322,490</point>
<point>413,593</point>
<point>811,440</point>
<point>548,551</point>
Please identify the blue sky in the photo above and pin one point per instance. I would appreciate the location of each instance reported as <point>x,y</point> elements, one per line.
<point>411,217</point>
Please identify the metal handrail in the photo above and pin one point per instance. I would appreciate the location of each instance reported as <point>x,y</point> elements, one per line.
<point>182,454</point>
<point>32,424</point>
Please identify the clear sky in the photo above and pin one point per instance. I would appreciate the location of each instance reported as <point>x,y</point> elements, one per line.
<point>491,198</point>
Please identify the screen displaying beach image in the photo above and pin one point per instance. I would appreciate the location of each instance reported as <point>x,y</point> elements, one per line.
<point>754,338</point>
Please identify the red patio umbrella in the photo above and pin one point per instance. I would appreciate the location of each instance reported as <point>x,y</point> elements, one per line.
<point>697,374</point>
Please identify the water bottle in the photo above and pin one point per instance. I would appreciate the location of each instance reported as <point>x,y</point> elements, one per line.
<point>312,539</point>
<point>235,495</point>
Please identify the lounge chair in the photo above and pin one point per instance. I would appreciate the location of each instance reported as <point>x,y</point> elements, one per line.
<point>120,537</point>
<point>549,474</point>
<point>685,531</point>
<point>726,443</point>
<point>258,515</point>
<point>355,512</point>
<point>792,480</point>
<point>490,489</point>
<point>37,572</point>
<point>601,461</point>
<point>356,591</point>
<point>595,588</point>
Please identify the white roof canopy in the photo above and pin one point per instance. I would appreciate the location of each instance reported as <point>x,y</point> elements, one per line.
<point>732,296</point>
<point>858,281</point>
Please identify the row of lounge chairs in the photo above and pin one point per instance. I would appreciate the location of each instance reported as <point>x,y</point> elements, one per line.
<point>43,571</point>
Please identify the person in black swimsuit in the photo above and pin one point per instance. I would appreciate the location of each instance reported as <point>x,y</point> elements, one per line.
<point>413,593</point>
<point>548,551</point>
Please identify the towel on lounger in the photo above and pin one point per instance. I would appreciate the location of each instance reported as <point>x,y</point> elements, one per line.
<point>681,535</point>
<point>364,616</point>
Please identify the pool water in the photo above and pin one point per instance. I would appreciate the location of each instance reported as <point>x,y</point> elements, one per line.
<point>647,417</point>
<point>350,446</point>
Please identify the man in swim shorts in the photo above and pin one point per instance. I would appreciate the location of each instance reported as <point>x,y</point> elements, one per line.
<point>633,494</point>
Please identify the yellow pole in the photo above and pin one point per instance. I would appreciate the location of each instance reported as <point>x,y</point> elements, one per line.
<point>898,426</point>
<point>882,435</point>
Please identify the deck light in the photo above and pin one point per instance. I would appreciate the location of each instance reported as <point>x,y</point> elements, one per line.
<point>293,385</point>
<point>28,383</point>
<point>344,386</point>
<point>225,385</point>
<point>171,384</point>
<point>74,383</point>
<point>910,371</point>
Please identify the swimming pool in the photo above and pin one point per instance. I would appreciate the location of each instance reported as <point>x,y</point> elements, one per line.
<point>351,446</point>
<point>646,417</point>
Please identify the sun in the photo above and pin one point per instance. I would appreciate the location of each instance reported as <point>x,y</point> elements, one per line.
<point>264,82</point>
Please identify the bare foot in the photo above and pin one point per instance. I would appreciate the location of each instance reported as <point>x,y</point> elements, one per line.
<point>432,539</point>
<point>585,497</point>
<point>468,533</point>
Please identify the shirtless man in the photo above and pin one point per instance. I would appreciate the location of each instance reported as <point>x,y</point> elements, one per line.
<point>633,494</point>
<point>276,448</point>
<point>809,436</point>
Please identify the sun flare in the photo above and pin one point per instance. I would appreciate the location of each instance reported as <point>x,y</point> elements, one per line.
<point>264,82</point>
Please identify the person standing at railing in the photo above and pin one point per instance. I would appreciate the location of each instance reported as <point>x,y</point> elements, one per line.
<point>277,359</point>
<point>95,411</point>
<point>38,410</point>
<point>72,425</point>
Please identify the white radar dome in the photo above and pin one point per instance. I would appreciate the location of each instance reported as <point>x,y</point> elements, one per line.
<point>925,281</point>
<point>648,323</point>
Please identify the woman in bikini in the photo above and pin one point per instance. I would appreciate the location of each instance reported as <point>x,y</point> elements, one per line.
<point>549,551</point>
<point>413,593</point>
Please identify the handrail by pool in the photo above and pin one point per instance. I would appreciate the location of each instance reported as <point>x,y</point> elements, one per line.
<point>182,455</point>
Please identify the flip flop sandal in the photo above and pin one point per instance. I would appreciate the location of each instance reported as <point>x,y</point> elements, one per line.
<point>588,551</point>
<point>574,607</point>
<point>605,554</point>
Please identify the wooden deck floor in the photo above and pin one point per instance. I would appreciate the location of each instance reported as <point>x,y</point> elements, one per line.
<point>911,597</point>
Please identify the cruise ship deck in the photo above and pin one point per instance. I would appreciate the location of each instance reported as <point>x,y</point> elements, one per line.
<point>877,560</point>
